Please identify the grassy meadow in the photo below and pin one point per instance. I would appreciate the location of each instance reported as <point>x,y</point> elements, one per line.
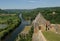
<point>51,36</point>
<point>11,21</point>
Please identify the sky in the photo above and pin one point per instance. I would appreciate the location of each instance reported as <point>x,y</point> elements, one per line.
<point>28,4</point>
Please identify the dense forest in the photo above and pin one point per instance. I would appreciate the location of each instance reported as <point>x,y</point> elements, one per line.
<point>30,14</point>
<point>46,12</point>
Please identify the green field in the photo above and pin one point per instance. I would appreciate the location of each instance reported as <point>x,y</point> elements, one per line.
<point>51,36</point>
<point>11,22</point>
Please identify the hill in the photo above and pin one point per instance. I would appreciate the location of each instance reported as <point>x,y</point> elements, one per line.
<point>30,14</point>
<point>46,12</point>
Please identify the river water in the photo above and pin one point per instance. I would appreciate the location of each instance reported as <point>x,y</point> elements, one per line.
<point>15,33</point>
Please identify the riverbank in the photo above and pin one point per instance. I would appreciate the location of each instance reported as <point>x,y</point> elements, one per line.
<point>15,33</point>
<point>26,34</point>
<point>12,23</point>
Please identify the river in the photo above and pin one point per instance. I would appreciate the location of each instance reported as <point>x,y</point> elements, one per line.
<point>15,33</point>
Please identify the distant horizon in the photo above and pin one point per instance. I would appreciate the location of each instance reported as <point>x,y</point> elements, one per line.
<point>28,4</point>
<point>32,8</point>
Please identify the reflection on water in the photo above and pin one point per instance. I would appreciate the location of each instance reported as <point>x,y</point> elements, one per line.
<point>15,33</point>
